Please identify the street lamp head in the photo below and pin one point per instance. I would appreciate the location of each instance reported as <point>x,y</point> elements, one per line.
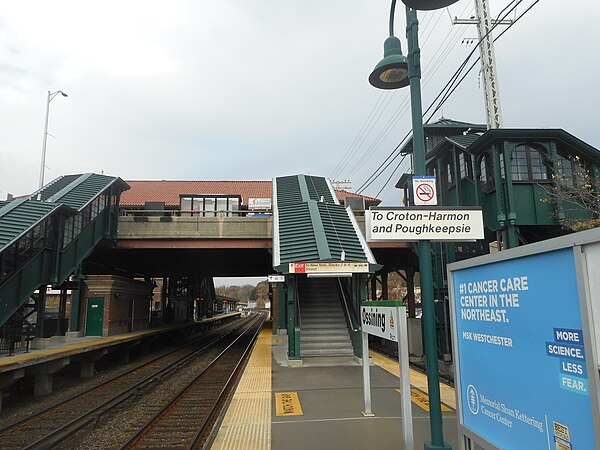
<point>428,5</point>
<point>392,71</point>
<point>63,94</point>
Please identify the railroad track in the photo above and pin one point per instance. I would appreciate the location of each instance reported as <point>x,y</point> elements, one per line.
<point>186,421</point>
<point>57,423</point>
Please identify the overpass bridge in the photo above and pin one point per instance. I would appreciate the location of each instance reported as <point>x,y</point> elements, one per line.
<point>174,238</point>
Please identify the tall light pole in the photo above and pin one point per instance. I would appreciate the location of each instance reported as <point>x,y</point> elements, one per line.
<point>392,76</point>
<point>51,96</point>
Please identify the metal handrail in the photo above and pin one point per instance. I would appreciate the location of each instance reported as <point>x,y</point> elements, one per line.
<point>297,305</point>
<point>129,212</point>
<point>345,301</point>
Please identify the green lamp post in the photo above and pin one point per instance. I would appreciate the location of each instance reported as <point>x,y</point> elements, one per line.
<point>428,5</point>
<point>392,71</point>
<point>381,80</point>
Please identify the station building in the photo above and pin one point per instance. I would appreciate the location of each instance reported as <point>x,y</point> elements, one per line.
<point>525,180</point>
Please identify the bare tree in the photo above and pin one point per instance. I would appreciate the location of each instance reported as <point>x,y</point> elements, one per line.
<point>575,193</point>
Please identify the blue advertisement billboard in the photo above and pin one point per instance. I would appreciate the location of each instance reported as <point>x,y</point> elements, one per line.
<point>521,353</point>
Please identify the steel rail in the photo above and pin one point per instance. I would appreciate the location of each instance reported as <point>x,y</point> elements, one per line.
<point>67,429</point>
<point>151,425</point>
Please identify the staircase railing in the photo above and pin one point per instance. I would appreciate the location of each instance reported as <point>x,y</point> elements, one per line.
<point>346,309</point>
<point>294,348</point>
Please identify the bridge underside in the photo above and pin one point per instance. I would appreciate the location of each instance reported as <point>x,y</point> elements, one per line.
<point>176,258</point>
<point>217,258</point>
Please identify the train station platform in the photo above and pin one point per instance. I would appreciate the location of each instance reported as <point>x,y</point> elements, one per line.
<point>59,351</point>
<point>281,407</point>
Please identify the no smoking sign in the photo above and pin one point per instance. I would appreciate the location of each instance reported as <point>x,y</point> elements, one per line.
<point>424,190</point>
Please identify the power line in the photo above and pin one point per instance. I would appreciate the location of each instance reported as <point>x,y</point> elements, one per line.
<point>400,111</point>
<point>358,135</point>
<point>436,61</point>
<point>448,94</point>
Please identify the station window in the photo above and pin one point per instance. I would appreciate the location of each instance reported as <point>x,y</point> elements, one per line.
<point>221,207</point>
<point>448,171</point>
<point>464,165</point>
<point>529,163</point>
<point>210,205</point>
<point>487,173</point>
<point>185,205</point>
<point>8,262</point>
<point>572,170</point>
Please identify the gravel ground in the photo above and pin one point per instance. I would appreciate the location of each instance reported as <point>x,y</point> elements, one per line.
<point>113,429</point>
<point>20,403</point>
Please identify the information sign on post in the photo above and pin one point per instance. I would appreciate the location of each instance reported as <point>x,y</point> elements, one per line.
<point>387,319</point>
<point>424,192</point>
<point>526,375</point>
<point>329,267</point>
<point>421,223</point>
<point>276,278</point>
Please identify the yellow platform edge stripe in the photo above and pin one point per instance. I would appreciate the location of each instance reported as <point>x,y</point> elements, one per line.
<point>417,379</point>
<point>247,423</point>
<point>421,399</point>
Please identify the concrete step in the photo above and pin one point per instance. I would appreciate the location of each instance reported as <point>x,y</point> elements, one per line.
<point>324,326</point>
<point>335,316</point>
<point>323,332</point>
<point>320,308</point>
<point>325,338</point>
<point>329,312</point>
<point>329,318</point>
<point>327,352</point>
<point>324,299</point>
<point>337,325</point>
<point>326,345</point>
<point>324,360</point>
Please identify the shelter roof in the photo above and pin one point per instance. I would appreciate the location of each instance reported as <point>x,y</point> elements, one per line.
<point>452,126</point>
<point>19,216</point>
<point>76,191</point>
<point>168,191</point>
<point>525,134</point>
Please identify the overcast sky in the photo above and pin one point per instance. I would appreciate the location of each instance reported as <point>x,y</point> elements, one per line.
<point>249,90</point>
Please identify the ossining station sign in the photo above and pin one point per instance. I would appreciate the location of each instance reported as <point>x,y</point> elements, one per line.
<point>423,223</point>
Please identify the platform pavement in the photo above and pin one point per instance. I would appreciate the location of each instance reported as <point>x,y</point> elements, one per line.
<point>60,346</point>
<point>331,399</point>
<point>59,352</point>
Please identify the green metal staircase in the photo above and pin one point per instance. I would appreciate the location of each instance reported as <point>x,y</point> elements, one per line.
<point>311,226</point>
<point>44,237</point>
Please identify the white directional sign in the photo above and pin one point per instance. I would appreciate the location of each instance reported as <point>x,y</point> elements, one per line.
<point>424,193</point>
<point>329,267</point>
<point>419,223</point>
<point>276,278</point>
<point>387,319</point>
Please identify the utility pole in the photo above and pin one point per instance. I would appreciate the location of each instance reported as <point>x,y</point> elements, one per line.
<point>488,60</point>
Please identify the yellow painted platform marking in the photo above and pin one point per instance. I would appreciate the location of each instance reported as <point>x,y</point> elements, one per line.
<point>417,379</point>
<point>421,399</point>
<point>287,404</point>
<point>247,424</point>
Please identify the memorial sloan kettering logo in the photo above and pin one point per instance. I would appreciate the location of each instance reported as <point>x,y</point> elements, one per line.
<point>473,399</point>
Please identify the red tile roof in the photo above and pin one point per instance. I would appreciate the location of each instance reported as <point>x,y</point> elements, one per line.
<point>169,191</point>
